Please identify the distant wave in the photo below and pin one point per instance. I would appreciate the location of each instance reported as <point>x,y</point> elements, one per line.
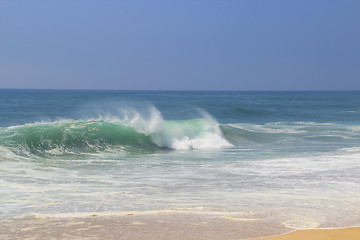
<point>286,132</point>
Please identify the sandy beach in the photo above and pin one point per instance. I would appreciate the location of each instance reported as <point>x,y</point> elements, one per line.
<point>352,233</point>
<point>161,226</point>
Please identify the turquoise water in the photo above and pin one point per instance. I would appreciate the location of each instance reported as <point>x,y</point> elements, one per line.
<point>293,157</point>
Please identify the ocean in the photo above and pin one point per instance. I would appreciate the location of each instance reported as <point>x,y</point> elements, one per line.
<point>288,157</point>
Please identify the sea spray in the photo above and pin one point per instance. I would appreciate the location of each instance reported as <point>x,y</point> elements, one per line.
<point>196,133</point>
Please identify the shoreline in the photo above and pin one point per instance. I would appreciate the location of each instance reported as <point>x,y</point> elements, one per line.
<point>169,226</point>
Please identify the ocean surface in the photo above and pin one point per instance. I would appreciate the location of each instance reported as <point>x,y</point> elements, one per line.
<point>291,157</point>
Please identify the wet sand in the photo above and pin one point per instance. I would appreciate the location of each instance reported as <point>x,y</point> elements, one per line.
<point>160,226</point>
<point>139,227</point>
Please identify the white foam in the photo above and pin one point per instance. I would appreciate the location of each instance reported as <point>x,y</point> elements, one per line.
<point>302,224</point>
<point>209,140</point>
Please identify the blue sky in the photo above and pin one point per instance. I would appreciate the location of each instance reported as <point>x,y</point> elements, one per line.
<point>180,45</point>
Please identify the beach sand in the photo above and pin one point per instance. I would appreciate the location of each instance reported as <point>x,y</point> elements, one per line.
<point>160,226</point>
<point>136,227</point>
<point>320,234</point>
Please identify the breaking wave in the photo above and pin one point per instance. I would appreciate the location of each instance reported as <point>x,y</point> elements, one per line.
<point>130,132</point>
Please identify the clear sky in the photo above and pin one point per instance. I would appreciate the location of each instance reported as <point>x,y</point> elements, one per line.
<point>180,44</point>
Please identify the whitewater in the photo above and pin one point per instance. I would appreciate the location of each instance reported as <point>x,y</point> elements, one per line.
<point>287,157</point>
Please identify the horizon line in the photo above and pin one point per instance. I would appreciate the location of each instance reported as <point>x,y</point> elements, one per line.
<point>180,90</point>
